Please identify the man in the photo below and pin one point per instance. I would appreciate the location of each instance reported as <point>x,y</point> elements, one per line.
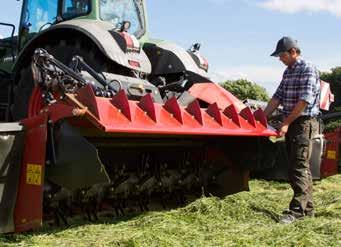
<point>299,94</point>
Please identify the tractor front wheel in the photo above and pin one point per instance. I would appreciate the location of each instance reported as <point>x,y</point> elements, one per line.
<point>64,51</point>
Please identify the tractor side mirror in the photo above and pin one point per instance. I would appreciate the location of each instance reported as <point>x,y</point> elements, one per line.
<point>125,26</point>
<point>195,47</point>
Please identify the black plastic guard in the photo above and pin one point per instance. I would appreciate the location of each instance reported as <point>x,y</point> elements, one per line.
<point>77,162</point>
<point>277,161</point>
<point>11,152</point>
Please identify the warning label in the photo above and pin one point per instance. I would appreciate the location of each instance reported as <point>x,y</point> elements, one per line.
<point>331,155</point>
<point>33,175</point>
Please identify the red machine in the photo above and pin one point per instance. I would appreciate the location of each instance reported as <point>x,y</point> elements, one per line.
<point>88,143</point>
<point>331,159</point>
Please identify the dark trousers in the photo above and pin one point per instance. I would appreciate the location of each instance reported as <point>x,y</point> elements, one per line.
<point>299,145</point>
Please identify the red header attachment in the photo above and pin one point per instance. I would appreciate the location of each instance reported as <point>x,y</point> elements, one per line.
<point>248,115</point>
<point>260,116</point>
<point>214,112</point>
<point>231,112</point>
<point>194,109</point>
<point>120,101</point>
<point>173,107</point>
<point>147,105</point>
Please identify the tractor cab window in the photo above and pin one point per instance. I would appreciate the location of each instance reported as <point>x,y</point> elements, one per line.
<point>8,43</point>
<point>6,32</point>
<point>39,14</point>
<point>118,11</point>
<point>75,8</point>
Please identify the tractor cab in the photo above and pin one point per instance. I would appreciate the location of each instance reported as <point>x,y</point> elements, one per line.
<point>96,106</point>
<point>38,15</point>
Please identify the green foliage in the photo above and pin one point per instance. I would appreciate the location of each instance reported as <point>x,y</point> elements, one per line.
<point>244,89</point>
<point>332,125</point>
<point>243,219</point>
<point>333,77</point>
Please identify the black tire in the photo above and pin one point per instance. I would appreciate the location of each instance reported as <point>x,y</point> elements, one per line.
<point>63,50</point>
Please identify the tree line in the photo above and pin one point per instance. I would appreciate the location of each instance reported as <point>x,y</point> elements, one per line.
<point>244,89</point>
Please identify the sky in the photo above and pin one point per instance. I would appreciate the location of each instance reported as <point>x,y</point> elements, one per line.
<point>238,36</point>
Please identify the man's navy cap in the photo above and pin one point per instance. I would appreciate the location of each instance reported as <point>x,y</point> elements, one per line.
<point>283,45</point>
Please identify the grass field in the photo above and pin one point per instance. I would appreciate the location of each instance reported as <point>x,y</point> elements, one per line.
<point>244,219</point>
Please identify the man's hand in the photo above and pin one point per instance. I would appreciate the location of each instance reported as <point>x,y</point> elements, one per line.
<point>283,129</point>
<point>296,112</point>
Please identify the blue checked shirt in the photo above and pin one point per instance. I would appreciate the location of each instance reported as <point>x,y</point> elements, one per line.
<point>300,82</point>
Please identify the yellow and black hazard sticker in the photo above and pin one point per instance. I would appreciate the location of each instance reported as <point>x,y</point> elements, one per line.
<point>331,155</point>
<point>33,174</point>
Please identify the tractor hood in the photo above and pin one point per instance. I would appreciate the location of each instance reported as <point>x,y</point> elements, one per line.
<point>120,47</point>
<point>169,58</point>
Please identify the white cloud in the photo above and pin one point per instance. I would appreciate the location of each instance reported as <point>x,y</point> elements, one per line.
<point>294,6</point>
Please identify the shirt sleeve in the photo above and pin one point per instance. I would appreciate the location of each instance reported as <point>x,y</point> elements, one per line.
<point>307,87</point>
<point>279,92</point>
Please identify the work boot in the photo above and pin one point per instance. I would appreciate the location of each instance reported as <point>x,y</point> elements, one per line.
<point>287,219</point>
<point>286,211</point>
<point>309,213</point>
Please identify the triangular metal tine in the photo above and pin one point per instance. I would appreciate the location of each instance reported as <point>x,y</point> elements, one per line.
<point>260,116</point>
<point>120,101</point>
<point>214,112</point>
<point>194,109</point>
<point>147,105</point>
<point>87,97</point>
<point>231,112</point>
<point>248,115</point>
<point>173,107</point>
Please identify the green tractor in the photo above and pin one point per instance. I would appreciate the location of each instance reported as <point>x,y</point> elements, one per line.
<point>110,35</point>
<point>102,116</point>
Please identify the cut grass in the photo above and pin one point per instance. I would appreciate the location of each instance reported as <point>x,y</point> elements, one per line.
<point>243,219</point>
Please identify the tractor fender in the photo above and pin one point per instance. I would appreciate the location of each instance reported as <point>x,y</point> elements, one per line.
<point>98,32</point>
<point>169,58</point>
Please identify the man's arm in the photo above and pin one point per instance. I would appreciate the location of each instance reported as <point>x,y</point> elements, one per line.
<point>296,112</point>
<point>307,95</point>
<point>272,105</point>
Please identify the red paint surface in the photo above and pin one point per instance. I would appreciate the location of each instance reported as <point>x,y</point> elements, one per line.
<point>29,205</point>
<point>329,165</point>
<point>120,115</point>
